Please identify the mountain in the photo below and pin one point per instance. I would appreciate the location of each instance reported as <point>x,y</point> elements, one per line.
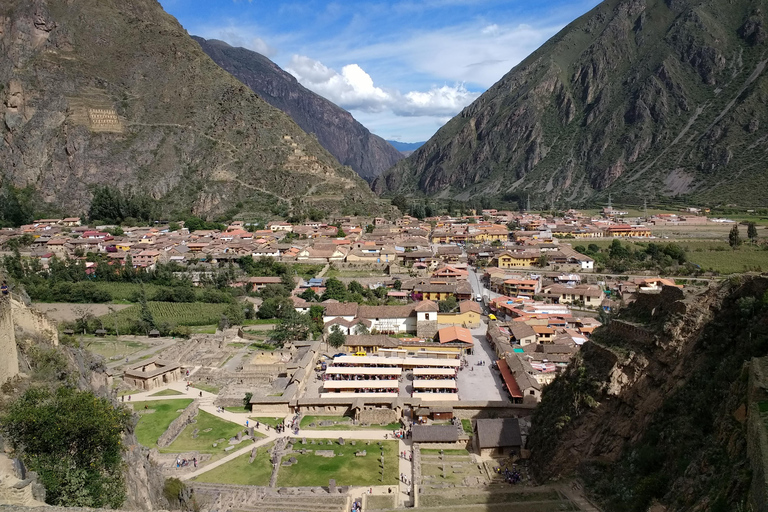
<point>638,98</point>
<point>406,148</point>
<point>659,405</point>
<point>335,128</point>
<point>115,92</point>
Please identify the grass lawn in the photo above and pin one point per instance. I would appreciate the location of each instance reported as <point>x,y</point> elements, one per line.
<point>268,420</point>
<point>129,392</point>
<point>203,329</point>
<point>343,422</point>
<point>167,392</point>
<point>261,321</point>
<point>445,452</point>
<point>240,409</point>
<point>219,429</point>
<point>467,426</point>
<point>151,425</point>
<point>206,387</point>
<point>111,347</point>
<point>240,472</point>
<point>313,470</point>
<point>353,273</point>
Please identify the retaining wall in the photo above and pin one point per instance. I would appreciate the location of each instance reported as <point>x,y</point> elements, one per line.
<point>9,362</point>
<point>177,425</point>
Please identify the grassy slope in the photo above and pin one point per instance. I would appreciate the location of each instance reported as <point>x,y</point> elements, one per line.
<point>152,425</point>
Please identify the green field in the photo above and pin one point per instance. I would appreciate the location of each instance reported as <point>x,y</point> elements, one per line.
<point>467,426</point>
<point>167,392</point>
<point>268,420</point>
<point>430,451</point>
<point>353,273</point>
<point>154,421</point>
<point>206,387</point>
<point>314,470</point>
<point>220,431</point>
<point>715,256</point>
<point>342,423</point>
<point>174,313</point>
<point>239,472</point>
<point>110,347</point>
<point>123,292</point>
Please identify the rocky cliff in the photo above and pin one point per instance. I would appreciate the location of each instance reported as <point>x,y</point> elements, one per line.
<point>654,407</point>
<point>336,130</point>
<point>115,92</point>
<point>639,98</point>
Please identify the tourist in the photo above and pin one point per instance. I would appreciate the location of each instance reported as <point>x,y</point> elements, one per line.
<point>4,288</point>
<point>246,423</point>
<point>194,460</point>
<point>129,398</point>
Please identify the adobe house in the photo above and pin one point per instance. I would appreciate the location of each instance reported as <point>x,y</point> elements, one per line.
<point>151,374</point>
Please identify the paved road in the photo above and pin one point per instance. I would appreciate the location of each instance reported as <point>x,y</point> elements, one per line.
<point>480,382</point>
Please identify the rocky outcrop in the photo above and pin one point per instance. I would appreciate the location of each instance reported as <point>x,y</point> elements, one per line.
<point>336,130</point>
<point>649,408</point>
<point>638,98</point>
<point>116,93</point>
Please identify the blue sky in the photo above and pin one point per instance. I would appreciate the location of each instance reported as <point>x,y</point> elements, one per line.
<point>402,68</point>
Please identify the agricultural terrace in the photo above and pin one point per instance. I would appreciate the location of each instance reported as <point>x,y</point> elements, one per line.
<point>242,471</point>
<point>312,470</point>
<point>212,436</point>
<point>154,420</point>
<point>173,313</point>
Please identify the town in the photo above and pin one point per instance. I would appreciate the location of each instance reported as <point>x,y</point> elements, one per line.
<point>432,343</point>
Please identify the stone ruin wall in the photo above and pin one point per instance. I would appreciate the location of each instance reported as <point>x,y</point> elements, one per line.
<point>9,362</point>
<point>375,416</point>
<point>177,425</point>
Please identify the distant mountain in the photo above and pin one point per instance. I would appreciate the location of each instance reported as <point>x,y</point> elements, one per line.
<point>335,128</point>
<point>638,98</point>
<point>406,148</point>
<point>107,92</point>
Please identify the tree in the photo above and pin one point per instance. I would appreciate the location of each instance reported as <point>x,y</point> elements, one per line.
<point>235,314</point>
<point>73,440</point>
<point>337,338</point>
<point>397,284</point>
<point>447,305</point>
<point>247,399</point>
<point>355,287</point>
<point>369,228</point>
<point>334,289</point>
<point>752,232</point>
<point>734,239</point>
<point>543,261</point>
<point>295,326</point>
<point>309,295</point>
<point>340,233</point>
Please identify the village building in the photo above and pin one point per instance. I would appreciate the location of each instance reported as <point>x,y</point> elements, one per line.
<point>498,437</point>
<point>151,374</point>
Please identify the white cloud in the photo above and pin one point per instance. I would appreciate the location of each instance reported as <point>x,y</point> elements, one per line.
<point>260,46</point>
<point>353,89</point>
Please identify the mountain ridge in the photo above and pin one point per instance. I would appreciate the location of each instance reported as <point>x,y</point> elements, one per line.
<point>337,131</point>
<point>638,98</point>
<point>116,93</point>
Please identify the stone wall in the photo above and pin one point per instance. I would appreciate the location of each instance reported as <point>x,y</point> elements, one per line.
<point>426,328</point>
<point>9,362</point>
<point>34,322</point>
<point>376,415</point>
<point>177,425</point>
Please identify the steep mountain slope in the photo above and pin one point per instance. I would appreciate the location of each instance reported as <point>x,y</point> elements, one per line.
<point>653,408</point>
<point>338,132</point>
<point>115,92</point>
<point>641,98</point>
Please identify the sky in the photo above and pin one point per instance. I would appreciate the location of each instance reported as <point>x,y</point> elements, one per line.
<point>402,68</point>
